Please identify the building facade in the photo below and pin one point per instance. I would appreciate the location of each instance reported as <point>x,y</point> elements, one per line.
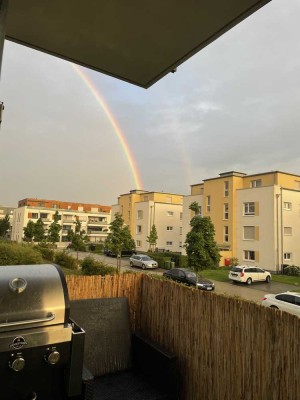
<point>141,210</point>
<point>94,218</point>
<point>256,217</point>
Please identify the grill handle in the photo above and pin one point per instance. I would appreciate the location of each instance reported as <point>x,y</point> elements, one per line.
<point>29,321</point>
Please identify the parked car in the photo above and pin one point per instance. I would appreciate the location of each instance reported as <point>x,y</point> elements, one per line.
<point>248,274</point>
<point>287,301</point>
<point>188,277</point>
<point>143,261</point>
<point>124,253</point>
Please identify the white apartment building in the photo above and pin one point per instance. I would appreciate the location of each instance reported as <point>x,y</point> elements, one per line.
<point>141,210</point>
<point>95,219</point>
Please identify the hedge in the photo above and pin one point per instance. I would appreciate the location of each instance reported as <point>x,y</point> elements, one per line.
<point>19,254</point>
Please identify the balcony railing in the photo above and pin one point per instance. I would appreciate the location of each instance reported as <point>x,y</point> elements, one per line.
<point>97,222</point>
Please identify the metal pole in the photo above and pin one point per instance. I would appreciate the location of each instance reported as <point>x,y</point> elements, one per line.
<point>3,15</point>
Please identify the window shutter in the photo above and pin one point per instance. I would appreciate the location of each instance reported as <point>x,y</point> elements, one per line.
<point>30,215</point>
<point>256,234</point>
<point>256,256</point>
<point>256,208</point>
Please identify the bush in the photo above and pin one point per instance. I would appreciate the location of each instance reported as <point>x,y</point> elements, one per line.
<point>64,260</point>
<point>96,247</point>
<point>179,259</point>
<point>292,270</point>
<point>92,267</point>
<point>46,252</point>
<point>19,254</point>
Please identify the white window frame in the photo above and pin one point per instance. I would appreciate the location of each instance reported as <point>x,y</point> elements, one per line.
<point>169,243</point>
<point>170,228</point>
<point>170,213</point>
<point>139,214</point>
<point>180,230</point>
<point>208,203</point>
<point>256,183</point>
<point>180,216</point>
<point>288,256</point>
<point>226,188</point>
<point>287,205</point>
<point>226,234</point>
<point>247,255</point>
<point>247,207</point>
<point>139,229</point>
<point>226,211</point>
<point>249,226</point>
<point>138,243</point>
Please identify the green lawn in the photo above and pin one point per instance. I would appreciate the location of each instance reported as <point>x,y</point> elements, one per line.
<point>221,275</point>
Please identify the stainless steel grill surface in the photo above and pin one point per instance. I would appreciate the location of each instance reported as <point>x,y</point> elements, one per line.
<point>41,349</point>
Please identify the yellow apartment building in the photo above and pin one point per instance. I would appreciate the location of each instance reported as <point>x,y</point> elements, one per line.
<point>256,217</point>
<point>142,209</point>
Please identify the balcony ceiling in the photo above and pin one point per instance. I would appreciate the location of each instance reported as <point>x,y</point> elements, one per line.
<point>138,41</point>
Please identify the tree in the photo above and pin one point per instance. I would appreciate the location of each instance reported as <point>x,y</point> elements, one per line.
<point>4,226</point>
<point>39,231</point>
<point>54,229</point>
<point>78,238</point>
<point>119,238</point>
<point>201,247</point>
<point>152,238</point>
<point>29,231</point>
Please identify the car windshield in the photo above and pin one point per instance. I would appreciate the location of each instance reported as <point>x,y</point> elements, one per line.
<point>146,258</point>
<point>236,269</point>
<point>190,275</point>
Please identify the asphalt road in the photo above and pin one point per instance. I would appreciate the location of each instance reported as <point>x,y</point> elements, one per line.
<point>254,292</point>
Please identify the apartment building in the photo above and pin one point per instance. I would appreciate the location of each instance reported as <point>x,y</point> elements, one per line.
<point>7,211</point>
<point>256,217</point>
<point>94,218</point>
<point>142,209</point>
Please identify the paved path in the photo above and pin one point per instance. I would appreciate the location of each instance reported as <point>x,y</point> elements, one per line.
<point>254,292</point>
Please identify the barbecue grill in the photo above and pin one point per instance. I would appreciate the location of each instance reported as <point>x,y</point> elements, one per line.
<point>41,348</point>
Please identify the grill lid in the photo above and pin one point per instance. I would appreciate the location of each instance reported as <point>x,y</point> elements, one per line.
<point>32,295</point>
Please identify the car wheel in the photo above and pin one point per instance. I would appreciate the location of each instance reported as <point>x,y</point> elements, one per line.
<point>249,281</point>
<point>233,282</point>
<point>268,279</point>
<point>131,263</point>
<point>274,307</point>
<point>143,266</point>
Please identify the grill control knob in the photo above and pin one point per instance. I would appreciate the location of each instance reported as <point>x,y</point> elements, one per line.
<point>17,364</point>
<point>53,357</point>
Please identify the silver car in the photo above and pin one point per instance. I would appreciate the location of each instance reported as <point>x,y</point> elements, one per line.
<point>142,261</point>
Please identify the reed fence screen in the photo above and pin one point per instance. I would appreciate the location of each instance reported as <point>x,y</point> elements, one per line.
<point>227,348</point>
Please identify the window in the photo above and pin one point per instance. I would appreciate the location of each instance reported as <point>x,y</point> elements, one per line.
<point>208,204</point>
<point>140,214</point>
<point>180,230</point>
<point>170,213</point>
<point>138,229</point>
<point>256,183</point>
<point>169,243</point>
<point>249,208</point>
<point>35,216</point>
<point>249,232</point>
<point>287,230</point>
<point>226,234</point>
<point>180,244</point>
<point>181,216</point>
<point>249,255</point>
<point>169,228</point>
<point>226,188</point>
<point>287,256</point>
<point>226,211</point>
<point>287,205</point>
<point>44,215</point>
<point>138,243</point>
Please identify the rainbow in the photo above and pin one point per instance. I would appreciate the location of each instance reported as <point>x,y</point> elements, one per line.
<point>114,123</point>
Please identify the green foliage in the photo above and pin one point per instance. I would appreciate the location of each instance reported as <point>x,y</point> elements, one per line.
<point>39,231</point>
<point>195,207</point>
<point>159,259</point>
<point>119,238</point>
<point>64,260</point>
<point>234,262</point>
<point>46,252</point>
<point>78,238</point>
<point>29,231</point>
<point>4,225</point>
<point>292,270</point>
<point>19,254</point>
<point>201,248</point>
<point>54,229</point>
<point>92,267</point>
<point>152,238</point>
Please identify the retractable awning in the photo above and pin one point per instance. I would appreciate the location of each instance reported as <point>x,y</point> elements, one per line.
<point>138,41</point>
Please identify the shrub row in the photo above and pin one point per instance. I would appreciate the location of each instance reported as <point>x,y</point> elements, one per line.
<point>19,254</point>
<point>92,267</point>
<point>64,260</point>
<point>179,259</point>
<point>292,270</point>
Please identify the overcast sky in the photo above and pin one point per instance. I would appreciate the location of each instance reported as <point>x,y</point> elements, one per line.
<point>233,106</point>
